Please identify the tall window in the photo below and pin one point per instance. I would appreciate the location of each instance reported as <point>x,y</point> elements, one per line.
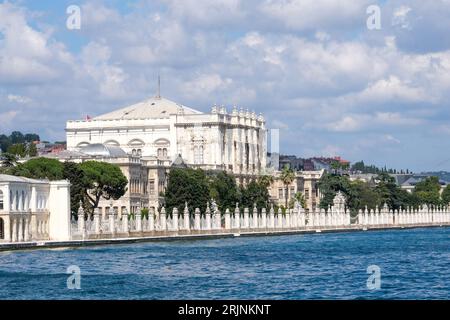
<point>198,154</point>
<point>152,187</point>
<point>1,200</point>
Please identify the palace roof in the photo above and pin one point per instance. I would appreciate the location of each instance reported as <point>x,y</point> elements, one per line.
<point>156,107</point>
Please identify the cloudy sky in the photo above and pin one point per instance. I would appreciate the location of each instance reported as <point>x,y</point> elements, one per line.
<point>312,67</point>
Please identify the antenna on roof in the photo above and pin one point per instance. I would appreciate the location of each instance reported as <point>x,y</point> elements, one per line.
<point>158,94</point>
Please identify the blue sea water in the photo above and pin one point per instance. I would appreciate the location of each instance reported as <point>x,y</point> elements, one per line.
<point>414,264</point>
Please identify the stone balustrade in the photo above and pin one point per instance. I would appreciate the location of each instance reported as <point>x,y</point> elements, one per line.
<point>256,219</point>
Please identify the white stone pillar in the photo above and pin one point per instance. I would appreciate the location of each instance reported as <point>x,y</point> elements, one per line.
<point>272,218</point>
<point>175,219</point>
<point>246,218</point>
<point>125,222</point>
<point>217,219</point>
<point>186,218</point>
<point>208,223</point>
<point>197,225</point>
<point>255,217</point>
<point>163,219</point>
<point>263,218</point>
<point>151,220</point>
<point>112,220</point>
<point>279,223</point>
<point>97,221</point>
<point>227,219</point>
<point>237,217</point>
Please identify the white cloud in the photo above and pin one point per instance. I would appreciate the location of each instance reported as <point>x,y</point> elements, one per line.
<point>19,99</point>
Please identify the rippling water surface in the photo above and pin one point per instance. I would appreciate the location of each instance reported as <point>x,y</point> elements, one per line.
<point>415,264</point>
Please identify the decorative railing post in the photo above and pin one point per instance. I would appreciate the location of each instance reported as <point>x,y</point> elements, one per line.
<point>151,220</point>
<point>81,221</point>
<point>279,218</point>
<point>246,218</point>
<point>138,220</point>
<point>208,223</point>
<point>237,217</point>
<point>112,221</point>
<point>271,217</point>
<point>186,219</point>
<point>175,219</point>
<point>96,221</point>
<point>254,217</point>
<point>227,219</point>
<point>163,219</point>
<point>197,225</point>
<point>288,217</point>
<point>125,223</point>
<point>217,217</point>
<point>263,218</point>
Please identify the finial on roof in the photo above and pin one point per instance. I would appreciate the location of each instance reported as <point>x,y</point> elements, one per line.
<point>158,93</point>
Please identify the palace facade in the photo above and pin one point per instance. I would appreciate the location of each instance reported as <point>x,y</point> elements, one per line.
<point>234,142</point>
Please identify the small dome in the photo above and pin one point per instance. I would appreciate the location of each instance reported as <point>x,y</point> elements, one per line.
<point>101,150</point>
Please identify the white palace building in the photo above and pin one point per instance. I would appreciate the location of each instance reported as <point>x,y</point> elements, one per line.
<point>152,136</point>
<point>235,142</point>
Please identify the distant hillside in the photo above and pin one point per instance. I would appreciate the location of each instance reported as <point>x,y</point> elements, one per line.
<point>442,175</point>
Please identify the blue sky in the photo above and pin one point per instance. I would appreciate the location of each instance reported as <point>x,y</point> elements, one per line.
<point>312,67</point>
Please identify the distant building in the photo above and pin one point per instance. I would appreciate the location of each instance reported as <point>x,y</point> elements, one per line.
<point>309,164</point>
<point>305,182</point>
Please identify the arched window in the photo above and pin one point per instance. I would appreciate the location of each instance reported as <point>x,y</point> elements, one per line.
<point>164,152</point>
<point>139,152</point>
<point>133,152</point>
<point>1,200</point>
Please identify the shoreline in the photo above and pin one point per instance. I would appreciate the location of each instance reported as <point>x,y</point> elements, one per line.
<point>47,244</point>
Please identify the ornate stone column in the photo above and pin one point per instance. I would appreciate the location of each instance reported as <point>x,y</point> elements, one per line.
<point>271,217</point>
<point>175,219</point>
<point>163,219</point>
<point>186,219</point>
<point>197,225</point>
<point>255,217</point>
<point>208,224</point>
<point>151,220</point>
<point>227,219</point>
<point>97,221</point>
<point>112,220</point>
<point>279,219</point>
<point>125,222</point>
<point>237,217</point>
<point>263,224</point>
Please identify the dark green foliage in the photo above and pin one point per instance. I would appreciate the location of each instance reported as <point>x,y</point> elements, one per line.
<point>187,185</point>
<point>103,180</point>
<point>40,168</point>
<point>254,192</point>
<point>224,190</point>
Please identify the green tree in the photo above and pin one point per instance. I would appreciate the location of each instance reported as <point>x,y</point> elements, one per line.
<point>40,168</point>
<point>31,150</point>
<point>300,198</point>
<point>187,185</point>
<point>224,191</point>
<point>103,180</point>
<point>287,176</point>
<point>79,185</point>
<point>446,195</point>
<point>8,160</point>
<point>18,149</point>
<point>362,195</point>
<point>329,184</point>
<point>255,192</point>
<point>389,192</point>
<point>428,191</point>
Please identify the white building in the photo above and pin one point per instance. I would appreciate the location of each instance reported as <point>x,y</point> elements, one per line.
<point>234,142</point>
<point>34,209</point>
